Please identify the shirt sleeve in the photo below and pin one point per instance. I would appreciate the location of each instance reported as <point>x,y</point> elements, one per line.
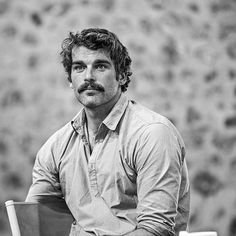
<point>46,186</point>
<point>159,159</point>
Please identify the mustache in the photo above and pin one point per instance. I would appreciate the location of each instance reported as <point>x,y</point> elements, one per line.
<point>90,86</point>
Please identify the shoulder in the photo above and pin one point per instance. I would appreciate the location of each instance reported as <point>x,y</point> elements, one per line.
<point>52,150</point>
<point>151,128</point>
<point>148,120</point>
<point>61,136</point>
<point>146,115</point>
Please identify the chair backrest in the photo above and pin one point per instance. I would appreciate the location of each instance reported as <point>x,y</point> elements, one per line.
<point>27,219</point>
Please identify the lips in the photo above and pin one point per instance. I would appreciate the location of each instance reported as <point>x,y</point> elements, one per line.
<point>90,88</point>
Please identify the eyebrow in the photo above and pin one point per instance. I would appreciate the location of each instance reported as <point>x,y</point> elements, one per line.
<point>98,61</point>
<point>77,62</point>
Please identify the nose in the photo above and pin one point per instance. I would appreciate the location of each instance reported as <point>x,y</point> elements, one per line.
<point>89,76</point>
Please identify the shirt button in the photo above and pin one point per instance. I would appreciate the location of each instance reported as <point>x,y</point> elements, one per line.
<point>74,222</point>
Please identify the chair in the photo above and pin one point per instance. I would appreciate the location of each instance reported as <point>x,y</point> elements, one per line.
<point>36,219</point>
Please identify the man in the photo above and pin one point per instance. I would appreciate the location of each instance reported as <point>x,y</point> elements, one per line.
<point>119,167</point>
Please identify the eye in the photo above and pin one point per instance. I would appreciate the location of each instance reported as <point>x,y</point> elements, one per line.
<point>78,68</point>
<point>101,67</point>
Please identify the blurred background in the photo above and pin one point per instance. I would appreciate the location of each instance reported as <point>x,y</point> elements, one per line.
<point>184,67</point>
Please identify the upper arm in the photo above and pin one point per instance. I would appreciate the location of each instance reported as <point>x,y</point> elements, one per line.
<point>158,165</point>
<point>46,185</point>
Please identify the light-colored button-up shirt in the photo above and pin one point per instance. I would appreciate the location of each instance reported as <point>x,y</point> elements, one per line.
<point>135,177</point>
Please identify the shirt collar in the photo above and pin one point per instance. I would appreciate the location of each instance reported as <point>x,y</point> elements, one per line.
<point>111,121</point>
<point>78,121</point>
<point>113,118</point>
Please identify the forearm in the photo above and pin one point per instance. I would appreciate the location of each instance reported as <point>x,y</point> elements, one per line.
<point>139,232</point>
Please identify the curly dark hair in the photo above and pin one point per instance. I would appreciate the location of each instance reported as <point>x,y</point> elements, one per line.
<point>94,39</point>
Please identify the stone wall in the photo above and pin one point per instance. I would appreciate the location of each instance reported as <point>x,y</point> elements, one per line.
<point>184,57</point>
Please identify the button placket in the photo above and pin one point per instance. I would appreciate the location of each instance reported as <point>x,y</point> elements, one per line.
<point>92,170</point>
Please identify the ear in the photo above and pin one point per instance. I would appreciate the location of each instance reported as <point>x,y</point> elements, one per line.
<point>122,79</point>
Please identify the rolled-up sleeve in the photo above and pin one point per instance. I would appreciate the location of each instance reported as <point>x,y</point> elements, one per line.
<point>159,160</point>
<point>45,187</point>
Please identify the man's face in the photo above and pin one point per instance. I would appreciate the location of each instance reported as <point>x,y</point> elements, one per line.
<point>93,77</point>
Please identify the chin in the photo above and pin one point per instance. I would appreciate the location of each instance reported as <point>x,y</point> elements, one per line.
<point>89,101</point>
<point>90,104</point>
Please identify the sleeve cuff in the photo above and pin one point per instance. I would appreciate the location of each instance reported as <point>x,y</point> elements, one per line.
<point>157,230</point>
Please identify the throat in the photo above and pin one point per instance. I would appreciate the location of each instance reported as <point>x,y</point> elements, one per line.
<point>96,115</point>
<point>91,137</point>
<point>93,127</point>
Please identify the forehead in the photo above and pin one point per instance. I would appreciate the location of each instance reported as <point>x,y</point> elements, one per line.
<point>82,53</point>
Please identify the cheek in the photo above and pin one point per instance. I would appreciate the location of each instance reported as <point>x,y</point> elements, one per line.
<point>76,80</point>
<point>112,86</point>
<point>111,82</point>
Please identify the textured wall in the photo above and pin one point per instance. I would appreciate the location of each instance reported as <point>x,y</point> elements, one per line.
<point>184,57</point>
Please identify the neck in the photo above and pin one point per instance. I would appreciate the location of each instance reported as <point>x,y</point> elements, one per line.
<point>96,115</point>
